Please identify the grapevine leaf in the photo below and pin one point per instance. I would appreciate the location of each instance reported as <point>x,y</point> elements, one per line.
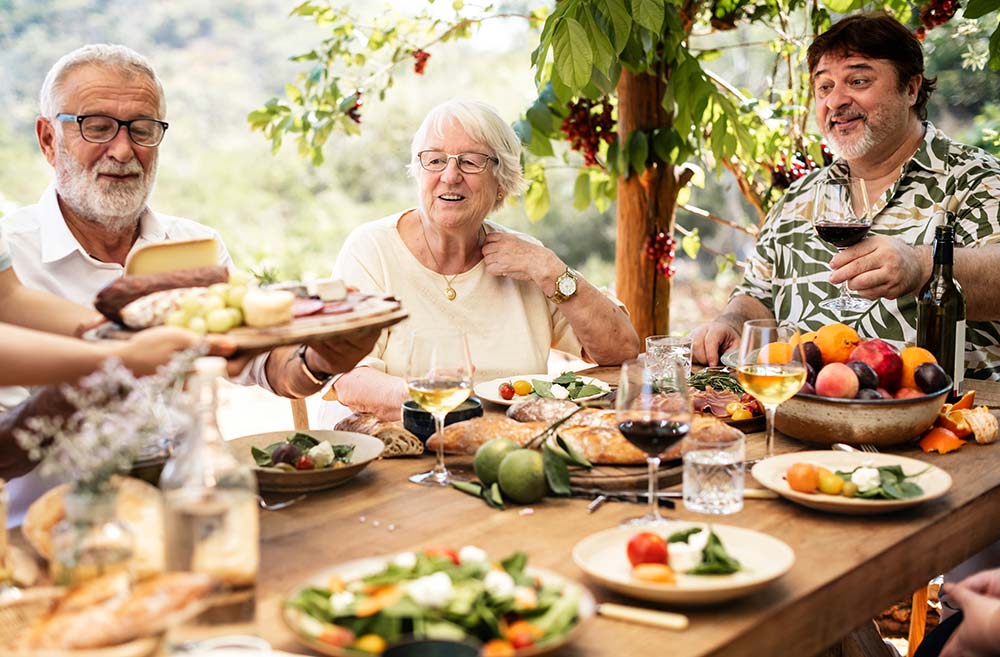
<point>604,54</point>
<point>842,6</point>
<point>649,14</point>
<point>581,191</point>
<point>540,117</point>
<point>691,244</point>
<point>638,150</point>
<point>978,8</point>
<point>573,55</point>
<point>995,50</point>
<point>536,199</point>
<point>621,20</point>
<point>540,144</point>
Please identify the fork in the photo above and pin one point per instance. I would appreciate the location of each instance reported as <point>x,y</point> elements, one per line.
<point>277,506</point>
<point>867,447</point>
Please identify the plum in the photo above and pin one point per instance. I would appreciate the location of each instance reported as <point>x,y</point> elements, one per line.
<point>868,393</point>
<point>286,453</point>
<point>930,377</point>
<point>813,356</point>
<point>867,378</point>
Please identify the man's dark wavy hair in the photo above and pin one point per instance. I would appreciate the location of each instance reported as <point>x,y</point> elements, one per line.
<point>878,36</point>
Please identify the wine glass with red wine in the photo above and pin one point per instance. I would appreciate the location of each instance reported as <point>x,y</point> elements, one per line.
<point>842,216</point>
<point>653,411</point>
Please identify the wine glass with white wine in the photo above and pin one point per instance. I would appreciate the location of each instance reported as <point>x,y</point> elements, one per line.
<point>771,366</point>
<point>439,378</point>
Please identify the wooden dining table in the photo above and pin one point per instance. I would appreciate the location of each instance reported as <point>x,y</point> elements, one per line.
<point>847,568</point>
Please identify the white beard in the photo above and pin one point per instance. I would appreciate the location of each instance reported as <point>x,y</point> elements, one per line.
<point>116,206</point>
<point>876,128</point>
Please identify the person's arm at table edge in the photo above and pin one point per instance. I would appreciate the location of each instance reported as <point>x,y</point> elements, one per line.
<point>709,341</point>
<point>42,311</point>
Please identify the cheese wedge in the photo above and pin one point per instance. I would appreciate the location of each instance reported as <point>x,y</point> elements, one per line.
<point>170,256</point>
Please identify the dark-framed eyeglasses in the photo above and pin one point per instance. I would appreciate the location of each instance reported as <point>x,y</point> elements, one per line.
<point>467,162</point>
<point>100,129</point>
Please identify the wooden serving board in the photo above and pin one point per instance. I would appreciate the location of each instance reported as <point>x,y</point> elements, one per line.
<point>300,329</point>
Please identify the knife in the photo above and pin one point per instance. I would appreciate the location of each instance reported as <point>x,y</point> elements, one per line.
<point>617,496</point>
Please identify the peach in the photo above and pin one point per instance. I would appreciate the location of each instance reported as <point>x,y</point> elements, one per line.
<point>837,380</point>
<point>884,359</point>
<point>907,393</point>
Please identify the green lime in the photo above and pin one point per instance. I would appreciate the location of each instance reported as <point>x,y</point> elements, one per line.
<point>488,458</point>
<point>522,476</point>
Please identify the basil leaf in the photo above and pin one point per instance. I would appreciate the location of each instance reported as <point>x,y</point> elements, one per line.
<point>683,535</point>
<point>261,457</point>
<point>542,388</point>
<point>566,378</point>
<point>715,559</point>
<point>910,489</point>
<point>587,390</point>
<point>302,440</point>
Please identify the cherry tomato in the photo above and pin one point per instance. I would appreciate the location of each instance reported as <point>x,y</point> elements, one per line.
<point>647,547</point>
<point>305,463</point>
<point>442,551</point>
<point>507,391</point>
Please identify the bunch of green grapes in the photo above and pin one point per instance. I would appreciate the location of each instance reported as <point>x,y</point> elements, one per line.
<point>215,309</point>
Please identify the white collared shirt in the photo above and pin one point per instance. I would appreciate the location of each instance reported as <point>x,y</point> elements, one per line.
<point>46,256</point>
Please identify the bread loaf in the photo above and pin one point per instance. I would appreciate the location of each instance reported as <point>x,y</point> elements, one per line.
<point>465,437</point>
<point>120,293</point>
<point>398,441</point>
<point>541,410</point>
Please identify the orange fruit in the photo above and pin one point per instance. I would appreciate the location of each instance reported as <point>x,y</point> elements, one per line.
<point>912,358</point>
<point>775,353</point>
<point>836,342</point>
<point>803,477</point>
<point>799,338</point>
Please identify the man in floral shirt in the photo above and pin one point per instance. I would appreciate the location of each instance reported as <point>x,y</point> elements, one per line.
<point>871,94</point>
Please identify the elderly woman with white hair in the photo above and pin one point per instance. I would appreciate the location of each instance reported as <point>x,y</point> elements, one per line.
<point>451,267</point>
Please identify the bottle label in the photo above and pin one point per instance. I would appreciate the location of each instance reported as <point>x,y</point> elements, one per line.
<point>958,376</point>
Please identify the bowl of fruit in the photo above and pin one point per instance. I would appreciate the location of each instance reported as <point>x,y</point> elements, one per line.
<point>863,391</point>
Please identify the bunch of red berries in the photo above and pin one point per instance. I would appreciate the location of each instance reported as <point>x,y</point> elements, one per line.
<point>420,63</point>
<point>660,248</point>
<point>786,172</point>
<point>933,14</point>
<point>354,113</point>
<point>588,123</point>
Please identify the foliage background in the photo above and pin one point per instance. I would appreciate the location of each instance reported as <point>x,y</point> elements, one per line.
<point>220,60</point>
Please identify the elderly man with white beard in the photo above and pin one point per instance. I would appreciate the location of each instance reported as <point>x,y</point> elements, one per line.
<point>101,121</point>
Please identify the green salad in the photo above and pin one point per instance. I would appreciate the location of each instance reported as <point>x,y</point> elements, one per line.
<point>300,451</point>
<point>438,593</point>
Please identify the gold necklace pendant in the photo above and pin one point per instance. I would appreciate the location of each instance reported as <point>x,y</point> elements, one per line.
<point>449,293</point>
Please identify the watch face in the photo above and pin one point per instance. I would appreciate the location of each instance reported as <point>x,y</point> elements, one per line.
<point>567,285</point>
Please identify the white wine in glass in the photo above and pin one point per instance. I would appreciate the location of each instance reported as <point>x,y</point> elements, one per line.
<point>438,378</point>
<point>772,367</point>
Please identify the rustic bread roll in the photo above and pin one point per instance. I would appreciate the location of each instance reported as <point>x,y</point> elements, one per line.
<point>541,410</point>
<point>465,437</point>
<point>398,441</point>
<point>138,505</point>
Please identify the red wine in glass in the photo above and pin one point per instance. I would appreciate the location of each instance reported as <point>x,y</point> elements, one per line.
<point>654,436</point>
<point>841,235</point>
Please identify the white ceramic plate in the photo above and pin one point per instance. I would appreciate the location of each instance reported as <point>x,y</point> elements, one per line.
<point>359,568</point>
<point>602,556</point>
<point>770,473</point>
<point>490,390</point>
<point>272,480</point>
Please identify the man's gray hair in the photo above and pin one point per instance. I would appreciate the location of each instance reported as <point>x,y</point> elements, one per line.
<point>483,124</point>
<point>105,55</point>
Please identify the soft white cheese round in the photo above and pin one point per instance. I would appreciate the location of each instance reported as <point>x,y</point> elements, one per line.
<point>433,590</point>
<point>472,554</point>
<point>405,560</point>
<point>866,479</point>
<point>559,392</point>
<point>341,602</point>
<point>322,454</point>
<point>499,584</point>
<point>682,557</point>
<point>262,308</point>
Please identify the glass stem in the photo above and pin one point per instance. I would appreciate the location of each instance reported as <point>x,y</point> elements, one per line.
<point>845,292</point>
<point>440,472</point>
<point>654,504</point>
<point>769,410</point>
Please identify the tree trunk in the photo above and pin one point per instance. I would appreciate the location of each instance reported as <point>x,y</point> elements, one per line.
<point>646,202</point>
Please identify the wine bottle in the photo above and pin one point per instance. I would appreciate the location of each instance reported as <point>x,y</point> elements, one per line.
<point>941,311</point>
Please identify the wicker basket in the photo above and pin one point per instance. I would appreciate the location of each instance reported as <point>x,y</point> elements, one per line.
<point>19,608</point>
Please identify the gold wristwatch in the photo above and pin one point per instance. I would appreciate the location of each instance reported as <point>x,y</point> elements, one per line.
<point>565,286</point>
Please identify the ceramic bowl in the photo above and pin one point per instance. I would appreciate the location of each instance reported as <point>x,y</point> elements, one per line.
<point>421,423</point>
<point>879,422</point>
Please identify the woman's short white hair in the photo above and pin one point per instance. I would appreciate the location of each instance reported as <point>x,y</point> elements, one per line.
<point>105,55</point>
<point>483,124</point>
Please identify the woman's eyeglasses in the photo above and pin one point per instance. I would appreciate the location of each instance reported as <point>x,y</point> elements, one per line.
<point>467,162</point>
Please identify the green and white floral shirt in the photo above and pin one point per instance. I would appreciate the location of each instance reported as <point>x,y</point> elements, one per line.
<point>789,269</point>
